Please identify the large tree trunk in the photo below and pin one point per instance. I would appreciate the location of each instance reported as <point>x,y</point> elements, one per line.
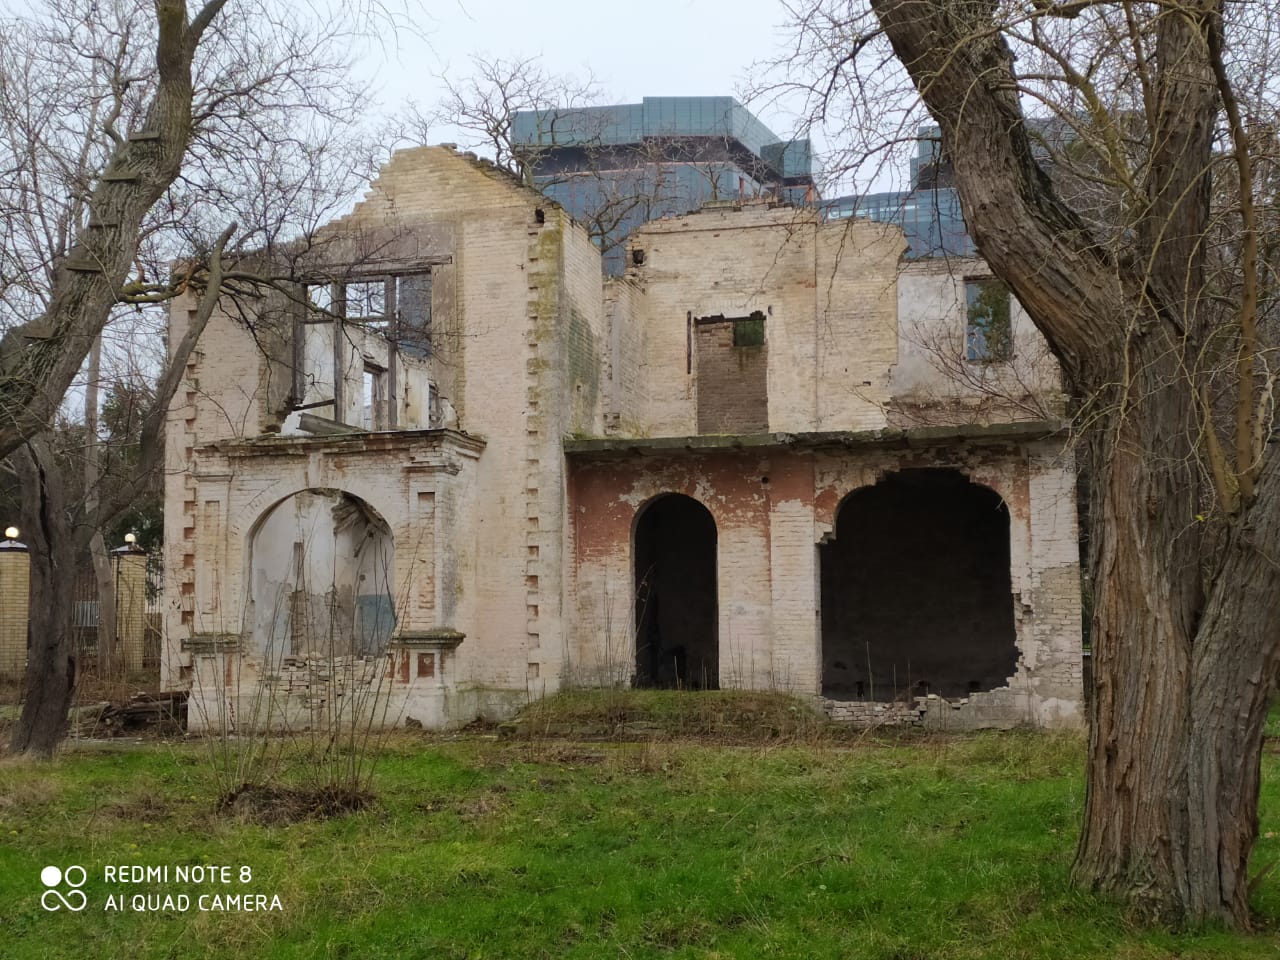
<point>51,664</point>
<point>1180,702</point>
<point>1186,625</point>
<point>1233,672</point>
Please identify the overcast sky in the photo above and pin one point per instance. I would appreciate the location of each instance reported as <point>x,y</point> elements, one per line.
<point>633,49</point>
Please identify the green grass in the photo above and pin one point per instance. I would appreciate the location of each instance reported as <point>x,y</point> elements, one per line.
<point>942,847</point>
<point>721,715</point>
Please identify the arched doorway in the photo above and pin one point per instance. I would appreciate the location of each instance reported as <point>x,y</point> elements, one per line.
<point>677,621</point>
<point>916,590</point>
<point>321,578</point>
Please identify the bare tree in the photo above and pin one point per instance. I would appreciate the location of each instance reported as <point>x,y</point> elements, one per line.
<point>134,135</point>
<point>1115,163</point>
<point>483,105</point>
<point>569,144</point>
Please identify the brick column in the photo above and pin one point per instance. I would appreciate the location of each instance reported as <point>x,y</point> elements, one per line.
<point>131,604</point>
<point>15,595</point>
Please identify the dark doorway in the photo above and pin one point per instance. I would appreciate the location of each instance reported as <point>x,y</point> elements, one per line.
<point>677,643</point>
<point>916,592</point>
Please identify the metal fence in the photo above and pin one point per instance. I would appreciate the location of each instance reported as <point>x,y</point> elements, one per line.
<point>87,615</point>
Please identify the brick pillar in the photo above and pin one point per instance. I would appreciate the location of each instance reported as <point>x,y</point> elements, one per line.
<point>131,604</point>
<point>15,596</point>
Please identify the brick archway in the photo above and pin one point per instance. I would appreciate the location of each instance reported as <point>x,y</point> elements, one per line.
<point>320,576</point>
<point>916,590</point>
<point>677,632</point>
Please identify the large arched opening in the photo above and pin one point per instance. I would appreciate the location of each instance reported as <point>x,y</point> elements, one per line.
<point>321,578</point>
<point>676,616</point>
<point>916,590</point>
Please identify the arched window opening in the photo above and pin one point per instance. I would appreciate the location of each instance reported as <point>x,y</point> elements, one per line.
<point>677,642</point>
<point>320,579</point>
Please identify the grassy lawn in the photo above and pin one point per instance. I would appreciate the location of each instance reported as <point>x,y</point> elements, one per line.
<point>898,849</point>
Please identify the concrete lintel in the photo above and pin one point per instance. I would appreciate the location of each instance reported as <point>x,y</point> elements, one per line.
<point>911,436</point>
<point>324,427</point>
<point>211,643</point>
<point>437,638</point>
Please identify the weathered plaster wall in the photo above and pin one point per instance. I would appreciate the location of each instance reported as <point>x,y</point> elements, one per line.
<point>584,331</point>
<point>220,396</point>
<point>718,262</point>
<point>605,501</point>
<point>625,360</point>
<point>855,325</point>
<point>422,484</point>
<point>933,381</point>
<point>828,295</point>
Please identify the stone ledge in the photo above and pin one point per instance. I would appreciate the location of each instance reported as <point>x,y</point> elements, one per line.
<point>441,638</point>
<point>211,643</point>
<point>1022,430</point>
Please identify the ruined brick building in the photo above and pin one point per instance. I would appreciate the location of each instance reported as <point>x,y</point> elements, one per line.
<point>458,465</point>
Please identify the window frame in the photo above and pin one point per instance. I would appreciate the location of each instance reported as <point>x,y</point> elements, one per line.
<point>327,301</point>
<point>753,322</point>
<point>986,339</point>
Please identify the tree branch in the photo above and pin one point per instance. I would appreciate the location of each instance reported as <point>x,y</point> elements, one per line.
<point>150,444</point>
<point>1248,456</point>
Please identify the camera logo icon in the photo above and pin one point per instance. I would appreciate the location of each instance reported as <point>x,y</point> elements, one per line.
<point>55,899</point>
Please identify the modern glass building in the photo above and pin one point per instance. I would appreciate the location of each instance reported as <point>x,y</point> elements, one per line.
<point>928,213</point>
<point>930,217</point>
<point>616,167</point>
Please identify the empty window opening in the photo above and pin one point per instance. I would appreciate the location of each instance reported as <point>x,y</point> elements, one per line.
<point>374,398</point>
<point>677,642</point>
<point>320,302</point>
<point>384,318</point>
<point>988,334</point>
<point>413,315</point>
<point>916,590</point>
<point>366,304</point>
<point>396,307</point>
<point>732,383</point>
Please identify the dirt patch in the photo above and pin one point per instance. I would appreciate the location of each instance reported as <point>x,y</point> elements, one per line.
<point>560,753</point>
<point>479,725</point>
<point>281,805</point>
<point>143,808</point>
<point>480,808</point>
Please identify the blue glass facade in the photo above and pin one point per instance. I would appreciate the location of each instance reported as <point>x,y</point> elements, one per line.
<point>617,167</point>
<point>930,218</point>
<point>929,213</point>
